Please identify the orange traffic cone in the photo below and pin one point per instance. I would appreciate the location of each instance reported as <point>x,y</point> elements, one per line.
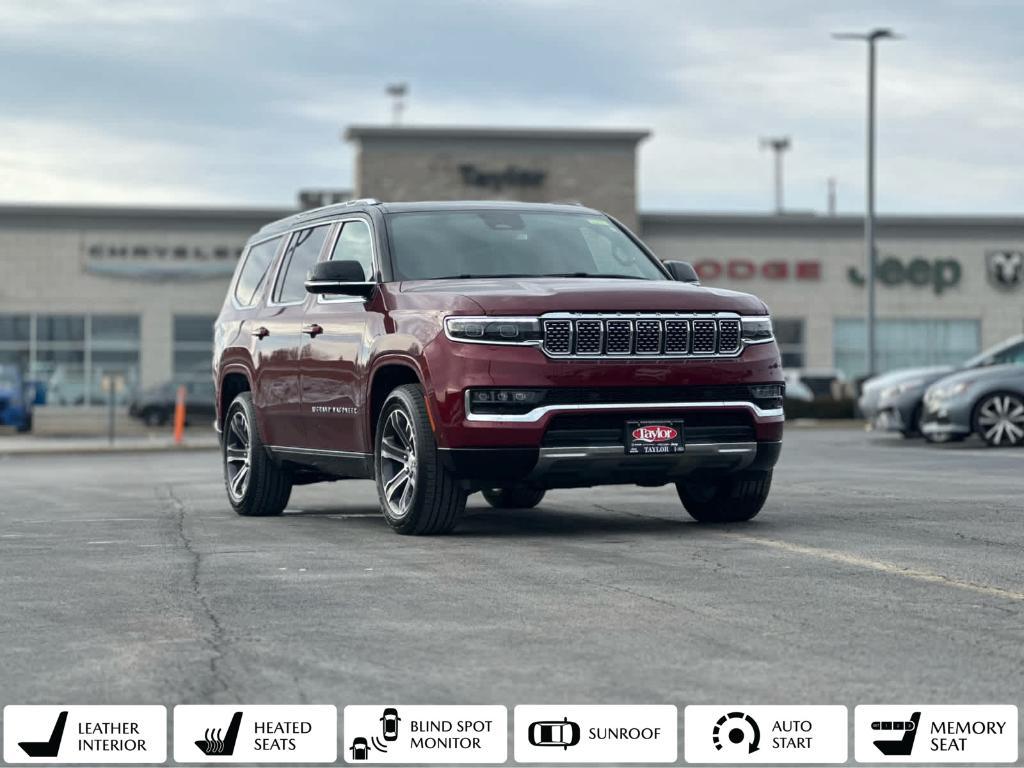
<point>179,416</point>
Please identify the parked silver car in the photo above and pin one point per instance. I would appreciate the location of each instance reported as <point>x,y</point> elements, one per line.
<point>900,402</point>
<point>986,401</point>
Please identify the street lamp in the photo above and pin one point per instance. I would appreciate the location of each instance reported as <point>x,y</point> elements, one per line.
<point>397,92</point>
<point>869,216</point>
<point>778,145</point>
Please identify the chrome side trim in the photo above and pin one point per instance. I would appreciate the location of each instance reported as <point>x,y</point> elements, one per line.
<point>317,452</point>
<point>762,414</point>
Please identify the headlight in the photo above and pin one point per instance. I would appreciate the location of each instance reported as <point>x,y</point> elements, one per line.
<point>757,329</point>
<point>493,330</point>
<point>903,387</point>
<point>944,393</point>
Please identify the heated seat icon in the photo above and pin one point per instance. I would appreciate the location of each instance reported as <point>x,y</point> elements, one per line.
<point>214,744</point>
<point>901,747</point>
<point>47,748</point>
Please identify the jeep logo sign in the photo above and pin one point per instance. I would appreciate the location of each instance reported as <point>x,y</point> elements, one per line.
<point>939,274</point>
<point>655,434</point>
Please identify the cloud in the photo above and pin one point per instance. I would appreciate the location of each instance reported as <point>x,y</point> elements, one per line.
<point>243,102</point>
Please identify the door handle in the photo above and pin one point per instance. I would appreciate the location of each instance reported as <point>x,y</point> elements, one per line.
<point>261,332</point>
<point>313,330</point>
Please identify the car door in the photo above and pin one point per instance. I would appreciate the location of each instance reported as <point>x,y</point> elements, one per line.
<point>280,334</point>
<point>334,361</point>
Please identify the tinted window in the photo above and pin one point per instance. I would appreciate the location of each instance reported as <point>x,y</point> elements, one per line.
<point>254,271</point>
<point>354,245</point>
<point>509,243</point>
<point>303,251</point>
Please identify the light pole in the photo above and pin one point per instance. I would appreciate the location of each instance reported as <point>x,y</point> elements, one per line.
<point>778,145</point>
<point>397,92</point>
<point>869,215</point>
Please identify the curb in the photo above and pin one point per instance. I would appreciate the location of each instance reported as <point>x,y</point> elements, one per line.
<point>105,449</point>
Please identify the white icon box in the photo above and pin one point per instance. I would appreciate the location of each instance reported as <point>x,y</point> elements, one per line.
<point>85,735</point>
<point>228,733</point>
<point>921,733</point>
<point>788,735</point>
<point>391,733</point>
<point>596,733</point>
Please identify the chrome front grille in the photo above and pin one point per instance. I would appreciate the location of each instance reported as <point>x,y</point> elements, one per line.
<point>641,335</point>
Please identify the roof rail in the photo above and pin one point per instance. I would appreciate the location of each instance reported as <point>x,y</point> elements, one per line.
<point>314,213</point>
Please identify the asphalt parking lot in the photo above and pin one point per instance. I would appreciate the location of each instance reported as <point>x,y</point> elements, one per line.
<point>880,571</point>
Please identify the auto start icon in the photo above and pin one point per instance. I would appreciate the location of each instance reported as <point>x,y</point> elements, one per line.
<point>742,730</point>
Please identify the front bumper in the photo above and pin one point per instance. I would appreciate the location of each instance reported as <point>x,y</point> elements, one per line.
<point>584,466</point>
<point>944,418</point>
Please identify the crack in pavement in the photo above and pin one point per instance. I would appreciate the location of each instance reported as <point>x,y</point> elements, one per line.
<point>216,638</point>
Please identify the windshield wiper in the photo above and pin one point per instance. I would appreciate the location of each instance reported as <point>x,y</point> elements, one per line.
<point>591,274</point>
<point>468,276</point>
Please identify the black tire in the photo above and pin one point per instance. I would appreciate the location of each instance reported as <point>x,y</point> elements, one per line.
<point>514,497</point>
<point>266,489</point>
<point>913,429</point>
<point>154,417</point>
<point>730,499</point>
<point>436,499</point>
<point>944,437</point>
<point>25,426</point>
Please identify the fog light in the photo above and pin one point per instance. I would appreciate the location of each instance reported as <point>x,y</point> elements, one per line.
<point>766,391</point>
<point>504,400</point>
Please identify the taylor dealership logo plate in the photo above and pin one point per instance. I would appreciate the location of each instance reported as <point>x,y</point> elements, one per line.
<point>645,438</point>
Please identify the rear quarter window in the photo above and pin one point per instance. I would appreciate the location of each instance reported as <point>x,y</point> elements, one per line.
<point>254,271</point>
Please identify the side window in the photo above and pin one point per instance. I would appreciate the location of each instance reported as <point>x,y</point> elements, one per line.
<point>354,244</point>
<point>1014,354</point>
<point>303,251</point>
<point>254,271</point>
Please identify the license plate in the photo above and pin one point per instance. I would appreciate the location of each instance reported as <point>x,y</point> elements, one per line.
<point>646,438</point>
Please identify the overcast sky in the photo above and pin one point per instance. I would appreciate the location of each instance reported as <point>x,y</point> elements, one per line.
<point>242,103</point>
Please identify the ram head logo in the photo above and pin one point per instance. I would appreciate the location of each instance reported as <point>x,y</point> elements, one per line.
<point>1005,268</point>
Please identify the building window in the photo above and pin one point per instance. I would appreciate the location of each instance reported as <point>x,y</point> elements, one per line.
<point>74,355</point>
<point>789,333</point>
<point>904,343</point>
<point>193,346</point>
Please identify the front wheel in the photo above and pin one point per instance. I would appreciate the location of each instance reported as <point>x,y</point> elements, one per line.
<point>999,419</point>
<point>418,494</point>
<point>729,499</point>
<point>514,497</point>
<point>256,486</point>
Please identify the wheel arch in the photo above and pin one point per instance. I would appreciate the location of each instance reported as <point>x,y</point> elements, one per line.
<point>387,374</point>
<point>234,380</point>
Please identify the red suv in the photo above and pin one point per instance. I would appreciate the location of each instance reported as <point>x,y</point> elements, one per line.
<point>508,348</point>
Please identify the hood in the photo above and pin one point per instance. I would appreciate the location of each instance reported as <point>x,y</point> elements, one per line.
<point>892,378</point>
<point>517,296</point>
<point>1012,373</point>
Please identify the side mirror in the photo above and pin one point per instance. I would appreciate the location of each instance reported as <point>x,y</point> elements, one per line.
<point>682,271</point>
<point>344,277</point>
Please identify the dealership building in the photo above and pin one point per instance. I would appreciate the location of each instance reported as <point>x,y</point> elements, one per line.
<point>90,294</point>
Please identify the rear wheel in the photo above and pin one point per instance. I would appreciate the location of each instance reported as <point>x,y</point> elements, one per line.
<point>256,486</point>
<point>513,497</point>
<point>729,499</point>
<point>999,419</point>
<point>417,493</point>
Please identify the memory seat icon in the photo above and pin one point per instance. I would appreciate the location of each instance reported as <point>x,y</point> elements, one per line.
<point>901,747</point>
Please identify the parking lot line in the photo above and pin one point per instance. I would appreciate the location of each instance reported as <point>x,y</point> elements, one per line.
<point>917,574</point>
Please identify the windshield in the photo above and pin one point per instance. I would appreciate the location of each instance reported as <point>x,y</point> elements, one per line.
<point>495,243</point>
<point>1007,351</point>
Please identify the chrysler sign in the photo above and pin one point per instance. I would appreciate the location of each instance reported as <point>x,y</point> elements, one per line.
<point>153,261</point>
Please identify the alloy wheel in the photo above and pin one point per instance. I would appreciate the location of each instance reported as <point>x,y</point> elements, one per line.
<point>238,455</point>
<point>398,463</point>
<point>1001,420</point>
